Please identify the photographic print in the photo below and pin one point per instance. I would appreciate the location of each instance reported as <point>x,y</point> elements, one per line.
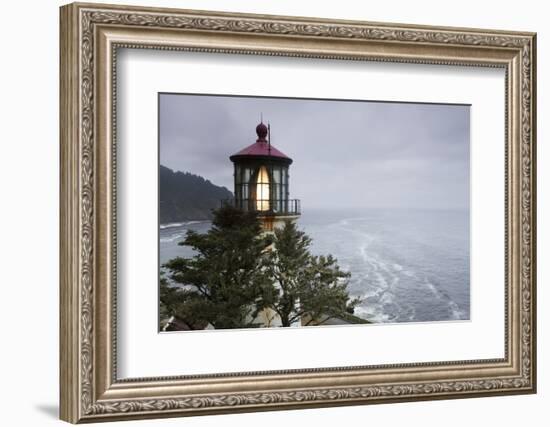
<point>289,212</point>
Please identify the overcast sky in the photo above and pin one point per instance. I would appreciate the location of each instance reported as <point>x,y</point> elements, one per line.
<point>346,154</point>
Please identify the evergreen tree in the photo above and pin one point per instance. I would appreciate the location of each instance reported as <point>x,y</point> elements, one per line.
<point>310,287</point>
<point>235,274</point>
<point>224,284</point>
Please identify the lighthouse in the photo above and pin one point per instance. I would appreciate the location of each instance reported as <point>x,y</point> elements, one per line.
<point>261,179</point>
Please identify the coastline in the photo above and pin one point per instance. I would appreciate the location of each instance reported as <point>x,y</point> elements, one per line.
<point>182,223</point>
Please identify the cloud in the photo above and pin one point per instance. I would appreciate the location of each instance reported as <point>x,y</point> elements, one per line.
<point>346,153</point>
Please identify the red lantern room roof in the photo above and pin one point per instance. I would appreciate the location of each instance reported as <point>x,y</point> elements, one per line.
<point>261,148</point>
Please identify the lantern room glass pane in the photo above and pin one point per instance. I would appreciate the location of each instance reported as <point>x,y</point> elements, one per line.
<point>237,174</point>
<point>262,190</point>
<point>244,196</point>
<point>246,175</point>
<point>277,175</point>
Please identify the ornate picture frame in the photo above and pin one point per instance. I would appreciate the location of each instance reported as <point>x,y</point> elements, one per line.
<point>90,37</point>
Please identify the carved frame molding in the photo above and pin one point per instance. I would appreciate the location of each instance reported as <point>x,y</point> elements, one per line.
<point>90,36</point>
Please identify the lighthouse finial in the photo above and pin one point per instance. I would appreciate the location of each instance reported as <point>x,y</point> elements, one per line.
<point>261,131</point>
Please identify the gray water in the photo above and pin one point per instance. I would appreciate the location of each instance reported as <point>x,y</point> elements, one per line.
<point>406,265</point>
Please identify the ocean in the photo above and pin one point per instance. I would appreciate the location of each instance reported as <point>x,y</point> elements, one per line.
<point>406,265</point>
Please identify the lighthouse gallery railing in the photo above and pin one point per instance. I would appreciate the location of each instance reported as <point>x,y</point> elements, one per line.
<point>276,206</point>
